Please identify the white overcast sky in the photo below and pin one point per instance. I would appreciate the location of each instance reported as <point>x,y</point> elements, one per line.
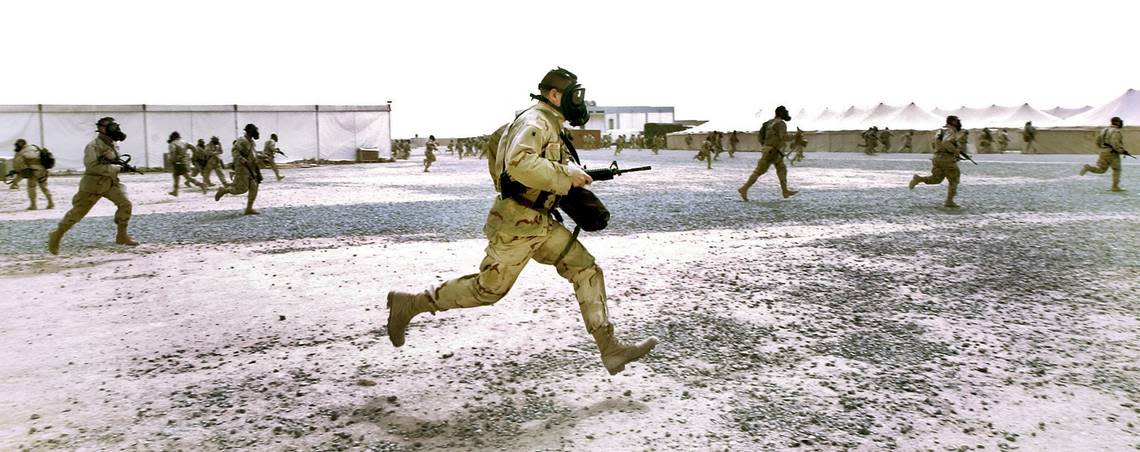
<point>463,67</point>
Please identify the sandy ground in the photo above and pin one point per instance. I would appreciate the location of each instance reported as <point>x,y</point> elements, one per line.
<point>857,315</point>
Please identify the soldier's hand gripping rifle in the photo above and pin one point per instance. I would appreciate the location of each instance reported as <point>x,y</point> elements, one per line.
<point>1119,151</point>
<point>123,162</point>
<point>962,155</point>
<point>613,170</point>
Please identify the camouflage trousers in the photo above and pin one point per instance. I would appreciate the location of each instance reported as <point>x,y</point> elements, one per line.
<point>944,170</point>
<point>771,157</point>
<point>92,188</point>
<point>1107,160</point>
<point>516,235</point>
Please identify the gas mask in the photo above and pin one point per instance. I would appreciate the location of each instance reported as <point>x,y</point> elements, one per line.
<point>113,131</point>
<point>782,113</point>
<point>252,131</point>
<point>574,105</point>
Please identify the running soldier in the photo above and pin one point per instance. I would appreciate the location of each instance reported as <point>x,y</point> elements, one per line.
<point>1029,135</point>
<point>247,170</point>
<point>100,180</point>
<point>269,153</point>
<point>532,170</point>
<point>179,154</point>
<point>908,142</point>
<point>429,152</point>
<point>214,162</point>
<point>870,140</point>
<point>705,154</point>
<point>1111,144</point>
<point>29,164</point>
<point>1002,140</point>
<point>773,137</point>
<point>733,141</point>
<point>949,144</point>
<point>986,141</point>
<point>798,146</point>
<point>885,139</point>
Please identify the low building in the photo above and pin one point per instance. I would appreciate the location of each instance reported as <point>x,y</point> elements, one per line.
<point>627,118</point>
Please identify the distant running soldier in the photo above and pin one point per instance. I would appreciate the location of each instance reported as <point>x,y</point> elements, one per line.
<point>247,169</point>
<point>100,180</point>
<point>29,164</point>
<point>885,139</point>
<point>798,146</point>
<point>705,154</point>
<point>1029,135</point>
<point>1111,144</point>
<point>620,144</point>
<point>718,144</point>
<point>429,152</point>
<point>908,142</point>
<point>532,170</point>
<point>179,153</point>
<point>773,137</point>
<point>733,141</point>
<point>214,162</point>
<point>269,153</point>
<point>986,141</point>
<point>870,140</point>
<point>198,158</point>
<point>1002,140</point>
<point>688,141</point>
<point>949,144</point>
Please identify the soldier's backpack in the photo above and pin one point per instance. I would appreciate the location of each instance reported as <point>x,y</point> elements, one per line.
<point>764,131</point>
<point>46,158</point>
<point>1102,139</point>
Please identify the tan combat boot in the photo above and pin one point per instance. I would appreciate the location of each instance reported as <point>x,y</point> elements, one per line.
<point>402,306</point>
<point>743,193</point>
<point>122,238</point>
<point>54,237</point>
<point>914,180</point>
<point>615,355</point>
<point>1084,169</point>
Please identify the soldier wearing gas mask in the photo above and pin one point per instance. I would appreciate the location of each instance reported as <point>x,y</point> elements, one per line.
<point>247,172</point>
<point>180,156</point>
<point>100,180</point>
<point>773,137</point>
<point>949,144</point>
<point>214,162</point>
<point>531,168</point>
<point>30,166</point>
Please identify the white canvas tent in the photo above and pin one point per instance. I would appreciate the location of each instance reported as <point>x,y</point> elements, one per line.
<point>879,115</point>
<point>1066,113</point>
<point>914,117</point>
<point>1026,113</point>
<point>304,132</point>
<point>1127,107</point>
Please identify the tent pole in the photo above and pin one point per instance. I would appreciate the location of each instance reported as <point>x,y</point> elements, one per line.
<point>317,118</point>
<point>146,139</point>
<point>235,123</point>
<point>41,109</point>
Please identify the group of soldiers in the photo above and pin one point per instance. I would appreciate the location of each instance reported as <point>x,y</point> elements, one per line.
<point>875,141</point>
<point>654,143</point>
<point>102,163</point>
<point>534,167</point>
<point>204,159</point>
<point>468,147</point>
<point>713,146</point>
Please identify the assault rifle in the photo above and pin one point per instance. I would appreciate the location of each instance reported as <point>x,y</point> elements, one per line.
<point>613,170</point>
<point>964,156</point>
<point>124,163</point>
<point>1119,151</point>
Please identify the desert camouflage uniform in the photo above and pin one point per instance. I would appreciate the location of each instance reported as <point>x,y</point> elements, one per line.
<point>27,162</point>
<point>180,160</point>
<point>1113,138</point>
<point>948,146</point>
<point>775,137</point>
